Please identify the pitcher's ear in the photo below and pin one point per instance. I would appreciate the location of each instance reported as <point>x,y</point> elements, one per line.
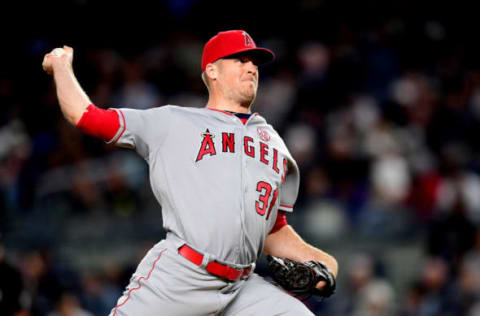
<point>211,70</point>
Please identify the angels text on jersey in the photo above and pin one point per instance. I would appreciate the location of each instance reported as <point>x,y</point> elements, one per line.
<point>263,152</point>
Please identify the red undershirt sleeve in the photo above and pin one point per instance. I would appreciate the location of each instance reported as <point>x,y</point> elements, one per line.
<point>99,123</point>
<point>280,222</point>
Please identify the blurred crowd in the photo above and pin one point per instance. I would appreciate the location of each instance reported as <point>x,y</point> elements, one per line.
<point>382,121</point>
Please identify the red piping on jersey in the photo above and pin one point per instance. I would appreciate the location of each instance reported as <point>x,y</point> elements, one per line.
<point>285,205</point>
<point>220,111</point>
<point>139,284</point>
<point>124,126</point>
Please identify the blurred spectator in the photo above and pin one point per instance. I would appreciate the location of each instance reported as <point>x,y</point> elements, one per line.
<point>452,234</point>
<point>15,148</point>
<point>376,299</point>
<point>107,63</point>
<point>11,287</point>
<point>136,92</point>
<point>467,291</point>
<point>390,179</point>
<point>475,310</point>
<point>46,280</point>
<point>100,294</point>
<point>301,140</point>
<point>324,217</point>
<point>85,194</point>
<point>459,184</point>
<point>432,294</point>
<point>366,294</point>
<point>313,93</point>
<point>123,200</point>
<point>276,97</point>
<point>68,305</point>
<point>425,194</point>
<point>325,220</point>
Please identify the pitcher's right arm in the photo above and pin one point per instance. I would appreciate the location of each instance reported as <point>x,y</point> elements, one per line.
<point>73,100</point>
<point>76,106</point>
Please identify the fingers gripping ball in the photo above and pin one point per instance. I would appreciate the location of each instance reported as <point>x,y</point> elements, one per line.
<point>55,56</point>
<point>58,52</point>
<point>301,277</point>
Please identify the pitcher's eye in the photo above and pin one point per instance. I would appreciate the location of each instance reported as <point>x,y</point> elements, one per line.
<point>246,59</point>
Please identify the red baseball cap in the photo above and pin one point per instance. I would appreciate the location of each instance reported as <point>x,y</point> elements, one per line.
<point>233,42</point>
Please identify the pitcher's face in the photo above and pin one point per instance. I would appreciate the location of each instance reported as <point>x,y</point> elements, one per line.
<point>238,78</point>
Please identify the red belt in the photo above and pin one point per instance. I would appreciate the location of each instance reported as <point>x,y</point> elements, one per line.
<point>214,267</point>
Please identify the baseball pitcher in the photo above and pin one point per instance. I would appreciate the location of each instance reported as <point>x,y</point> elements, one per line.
<point>225,181</point>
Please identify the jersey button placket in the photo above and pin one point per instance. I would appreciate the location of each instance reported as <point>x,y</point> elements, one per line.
<point>244,184</point>
<point>245,171</point>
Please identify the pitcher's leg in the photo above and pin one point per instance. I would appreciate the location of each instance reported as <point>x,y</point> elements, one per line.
<point>259,297</point>
<point>167,284</point>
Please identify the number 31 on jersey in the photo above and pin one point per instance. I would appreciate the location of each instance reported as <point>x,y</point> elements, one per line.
<point>265,190</point>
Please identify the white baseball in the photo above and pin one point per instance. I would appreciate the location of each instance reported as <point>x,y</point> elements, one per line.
<point>58,52</point>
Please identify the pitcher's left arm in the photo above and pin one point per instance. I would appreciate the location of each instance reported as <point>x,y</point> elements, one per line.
<point>286,243</point>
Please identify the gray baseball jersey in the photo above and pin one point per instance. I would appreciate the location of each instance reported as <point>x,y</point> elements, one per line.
<point>220,182</point>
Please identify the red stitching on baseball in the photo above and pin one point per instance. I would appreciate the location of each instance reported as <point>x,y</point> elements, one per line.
<point>139,284</point>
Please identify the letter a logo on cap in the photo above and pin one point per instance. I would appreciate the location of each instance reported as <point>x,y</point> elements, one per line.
<point>248,40</point>
<point>232,42</point>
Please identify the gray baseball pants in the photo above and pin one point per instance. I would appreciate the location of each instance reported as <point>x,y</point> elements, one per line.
<point>167,284</point>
